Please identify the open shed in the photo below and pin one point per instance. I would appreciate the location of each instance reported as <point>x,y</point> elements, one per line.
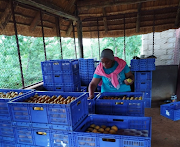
<point>97,19</point>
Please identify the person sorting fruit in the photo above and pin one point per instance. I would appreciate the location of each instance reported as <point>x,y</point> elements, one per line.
<point>112,74</point>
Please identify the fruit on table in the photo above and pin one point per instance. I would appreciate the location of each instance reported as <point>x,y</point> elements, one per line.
<point>129,80</point>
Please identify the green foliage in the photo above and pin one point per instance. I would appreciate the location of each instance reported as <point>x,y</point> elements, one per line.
<point>32,54</point>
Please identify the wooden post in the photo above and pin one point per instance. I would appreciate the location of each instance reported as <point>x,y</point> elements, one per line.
<point>79,31</point>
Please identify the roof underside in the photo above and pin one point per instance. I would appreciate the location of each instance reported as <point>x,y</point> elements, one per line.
<point>103,18</point>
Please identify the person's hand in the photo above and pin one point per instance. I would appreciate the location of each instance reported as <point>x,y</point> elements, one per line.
<point>127,82</point>
<point>90,97</point>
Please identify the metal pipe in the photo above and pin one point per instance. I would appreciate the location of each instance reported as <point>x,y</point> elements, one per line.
<point>59,30</point>
<point>17,41</point>
<point>124,39</point>
<point>74,41</point>
<point>43,36</point>
<point>98,37</point>
<point>153,30</point>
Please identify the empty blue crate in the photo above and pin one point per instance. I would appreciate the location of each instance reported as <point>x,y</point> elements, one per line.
<point>143,64</point>
<point>67,109</point>
<point>7,95</point>
<point>49,87</point>
<point>66,78</point>
<point>68,87</point>
<point>147,102</point>
<point>171,111</point>
<point>48,78</point>
<point>144,85</point>
<point>132,131</point>
<point>65,65</point>
<point>143,75</point>
<point>46,67</point>
<point>121,103</point>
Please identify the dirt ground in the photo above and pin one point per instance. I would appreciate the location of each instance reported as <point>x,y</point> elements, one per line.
<point>165,132</point>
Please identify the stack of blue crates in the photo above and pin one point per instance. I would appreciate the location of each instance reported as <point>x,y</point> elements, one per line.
<point>7,134</point>
<point>86,70</point>
<point>61,75</point>
<point>45,124</point>
<point>142,69</point>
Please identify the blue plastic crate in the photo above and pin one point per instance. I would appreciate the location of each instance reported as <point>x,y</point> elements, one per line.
<point>24,135</point>
<point>143,75</point>
<point>4,112</point>
<point>85,139</point>
<point>66,78</point>
<point>42,137</point>
<point>91,103</point>
<point>120,107</point>
<point>68,87</point>
<point>65,65</point>
<point>143,64</point>
<point>147,102</point>
<point>171,111</point>
<point>8,144</point>
<point>46,67</point>
<point>99,88</point>
<point>62,139</point>
<point>83,88</point>
<point>143,85</point>
<point>6,129</point>
<point>48,78</point>
<point>68,116</point>
<point>49,87</point>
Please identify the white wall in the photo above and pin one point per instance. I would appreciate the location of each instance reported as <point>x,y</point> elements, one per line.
<point>166,46</point>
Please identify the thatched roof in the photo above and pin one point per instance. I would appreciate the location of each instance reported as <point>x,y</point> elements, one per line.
<point>106,18</point>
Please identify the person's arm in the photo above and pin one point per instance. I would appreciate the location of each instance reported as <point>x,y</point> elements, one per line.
<point>129,75</point>
<point>92,87</point>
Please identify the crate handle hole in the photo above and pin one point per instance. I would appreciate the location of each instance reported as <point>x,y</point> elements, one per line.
<point>118,120</point>
<point>57,76</point>
<point>41,133</point>
<point>58,87</point>
<point>109,140</point>
<point>78,103</point>
<point>38,108</point>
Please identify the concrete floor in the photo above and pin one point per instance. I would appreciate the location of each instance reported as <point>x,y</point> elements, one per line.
<point>165,132</point>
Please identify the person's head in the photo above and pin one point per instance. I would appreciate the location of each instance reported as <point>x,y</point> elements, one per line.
<point>107,58</point>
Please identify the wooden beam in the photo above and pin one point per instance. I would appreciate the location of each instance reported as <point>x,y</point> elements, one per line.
<point>83,5</point>
<point>105,21</point>
<point>34,22</point>
<point>67,8</point>
<point>49,8</point>
<point>70,28</point>
<point>138,18</point>
<point>177,16</point>
<point>6,16</point>
<point>126,11</point>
